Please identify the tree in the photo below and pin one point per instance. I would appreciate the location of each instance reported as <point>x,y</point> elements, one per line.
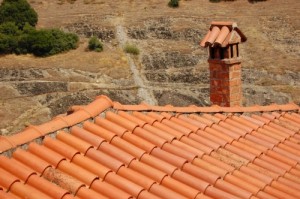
<point>18,11</point>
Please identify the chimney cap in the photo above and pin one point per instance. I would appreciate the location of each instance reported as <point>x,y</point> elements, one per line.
<point>223,33</point>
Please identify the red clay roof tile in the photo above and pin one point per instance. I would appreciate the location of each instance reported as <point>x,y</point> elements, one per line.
<point>147,170</point>
<point>124,184</point>
<point>159,164</point>
<point>147,195</point>
<point>31,160</point>
<point>128,147</point>
<point>180,187</point>
<point>8,195</point>
<point>117,153</point>
<point>121,121</point>
<point>134,119</point>
<point>98,130</point>
<point>136,177</point>
<point>218,193</point>
<point>152,138</point>
<point>63,180</point>
<point>104,159</point>
<point>180,149</point>
<point>192,146</point>
<point>242,183</point>
<point>277,193</point>
<point>200,173</point>
<point>207,135</point>
<point>165,192</point>
<point>27,191</point>
<point>109,190</point>
<point>233,189</point>
<point>190,180</point>
<point>193,152</point>
<point>88,193</point>
<point>110,126</point>
<point>86,136</point>
<point>91,165</point>
<point>202,140</point>
<point>13,166</point>
<point>46,187</point>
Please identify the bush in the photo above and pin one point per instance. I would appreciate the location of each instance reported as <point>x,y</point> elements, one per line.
<point>8,44</point>
<point>95,44</point>
<point>9,28</point>
<point>132,49</point>
<point>50,42</point>
<point>19,12</point>
<point>173,3</point>
<point>18,34</point>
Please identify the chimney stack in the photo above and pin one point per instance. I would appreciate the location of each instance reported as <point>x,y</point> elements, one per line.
<point>224,61</point>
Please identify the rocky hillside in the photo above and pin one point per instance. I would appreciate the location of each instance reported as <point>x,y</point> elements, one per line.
<point>171,67</point>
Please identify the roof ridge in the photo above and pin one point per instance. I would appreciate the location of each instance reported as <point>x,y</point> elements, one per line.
<point>210,109</point>
<point>79,114</point>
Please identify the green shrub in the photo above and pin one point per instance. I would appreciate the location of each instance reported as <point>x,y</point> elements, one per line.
<point>50,42</point>
<point>19,12</point>
<point>173,3</point>
<point>9,28</point>
<point>18,34</point>
<point>95,44</point>
<point>8,44</point>
<point>132,49</point>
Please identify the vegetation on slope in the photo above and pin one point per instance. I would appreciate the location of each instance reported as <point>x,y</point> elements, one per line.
<point>18,34</point>
<point>95,44</point>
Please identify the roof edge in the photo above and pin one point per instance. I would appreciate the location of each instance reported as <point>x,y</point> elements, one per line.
<point>78,114</point>
<point>73,117</point>
<point>211,109</point>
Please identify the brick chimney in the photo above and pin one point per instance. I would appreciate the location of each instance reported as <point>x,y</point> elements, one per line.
<point>223,39</point>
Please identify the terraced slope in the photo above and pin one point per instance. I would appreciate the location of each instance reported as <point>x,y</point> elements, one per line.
<point>171,68</point>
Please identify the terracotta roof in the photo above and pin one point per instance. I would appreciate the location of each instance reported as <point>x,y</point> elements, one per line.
<point>222,34</point>
<point>110,150</point>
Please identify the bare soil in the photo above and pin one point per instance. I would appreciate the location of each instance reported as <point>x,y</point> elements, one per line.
<point>171,65</point>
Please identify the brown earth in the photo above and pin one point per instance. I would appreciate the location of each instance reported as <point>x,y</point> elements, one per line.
<point>171,68</point>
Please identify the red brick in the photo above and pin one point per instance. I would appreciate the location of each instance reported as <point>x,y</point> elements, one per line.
<point>225,84</point>
<point>235,75</point>
<point>223,75</point>
<point>215,98</point>
<point>235,82</point>
<point>235,89</point>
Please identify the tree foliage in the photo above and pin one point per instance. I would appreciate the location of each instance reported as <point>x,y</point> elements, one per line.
<point>50,42</point>
<point>18,34</point>
<point>19,12</point>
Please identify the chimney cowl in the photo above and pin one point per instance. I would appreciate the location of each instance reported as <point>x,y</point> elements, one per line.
<point>222,34</point>
<point>223,39</point>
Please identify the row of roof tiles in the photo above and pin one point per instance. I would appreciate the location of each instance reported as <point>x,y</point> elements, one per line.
<point>125,154</point>
<point>77,114</point>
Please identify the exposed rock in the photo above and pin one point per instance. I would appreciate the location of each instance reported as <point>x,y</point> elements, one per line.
<point>37,88</point>
<point>7,74</point>
<point>166,60</point>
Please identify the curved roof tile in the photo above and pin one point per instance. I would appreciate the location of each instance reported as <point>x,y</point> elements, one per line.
<point>222,34</point>
<point>150,151</point>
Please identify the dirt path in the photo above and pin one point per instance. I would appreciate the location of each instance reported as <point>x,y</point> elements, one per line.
<point>145,94</point>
